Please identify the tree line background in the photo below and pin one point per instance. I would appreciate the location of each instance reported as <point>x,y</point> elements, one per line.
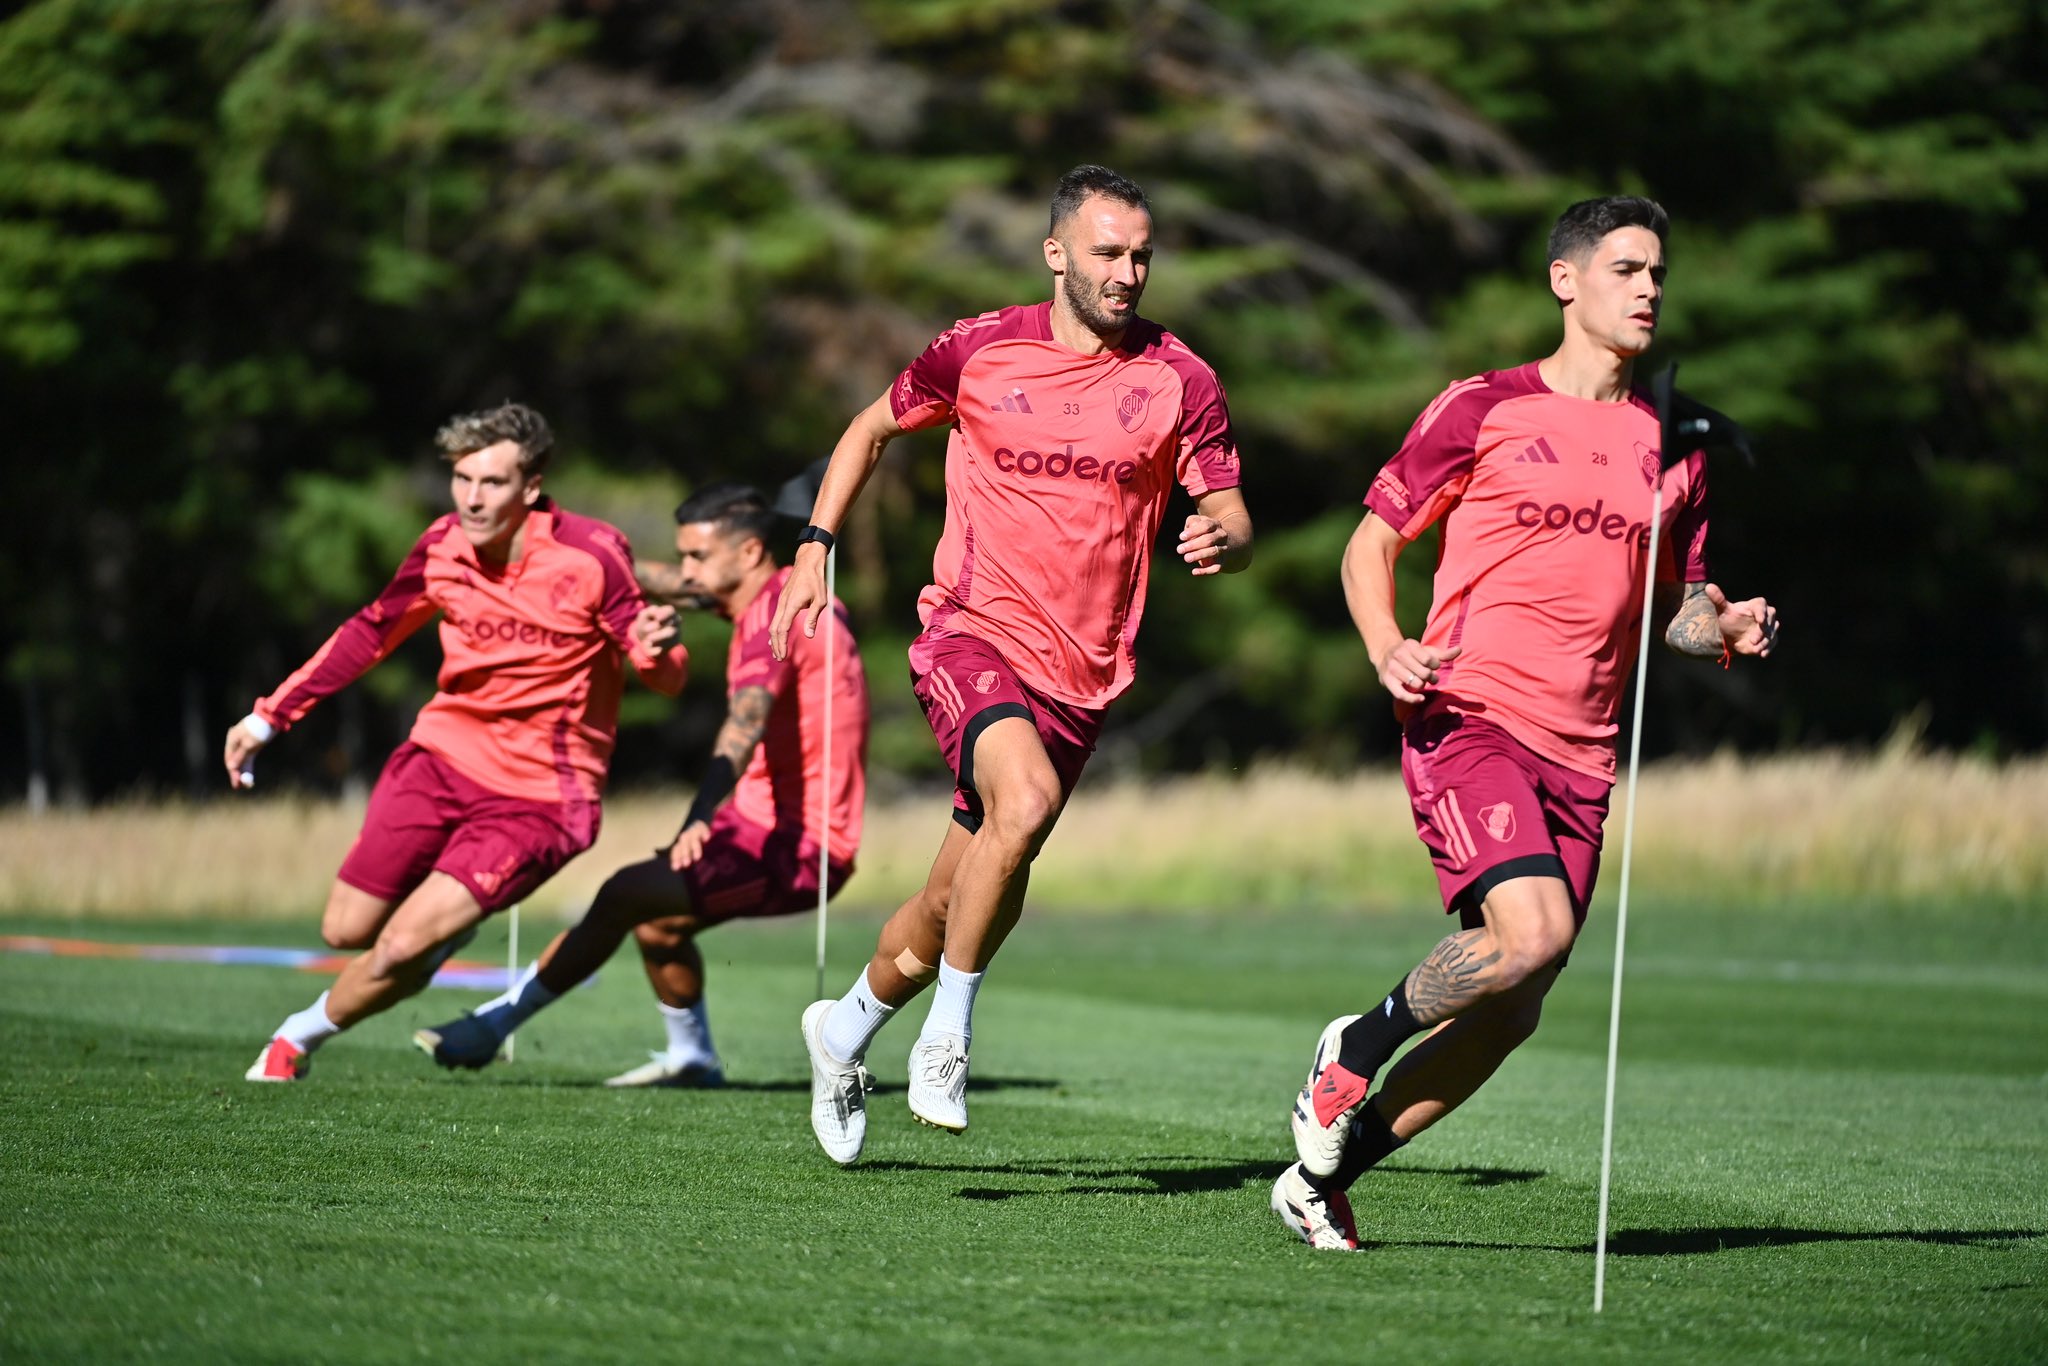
<point>252,254</point>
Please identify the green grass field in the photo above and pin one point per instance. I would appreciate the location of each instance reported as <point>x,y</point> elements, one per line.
<point>1832,1145</point>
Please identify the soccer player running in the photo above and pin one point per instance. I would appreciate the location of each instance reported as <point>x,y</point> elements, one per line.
<point>1542,478</point>
<point>499,784</point>
<point>755,855</point>
<point>1071,421</point>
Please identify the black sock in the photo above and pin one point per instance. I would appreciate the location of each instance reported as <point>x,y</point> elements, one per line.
<point>1371,1039</point>
<point>1371,1139</point>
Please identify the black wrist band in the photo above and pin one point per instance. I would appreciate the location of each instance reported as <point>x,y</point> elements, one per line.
<point>720,778</point>
<point>814,532</point>
<point>701,810</point>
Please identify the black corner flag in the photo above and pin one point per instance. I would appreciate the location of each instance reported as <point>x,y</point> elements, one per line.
<point>799,494</point>
<point>1686,425</point>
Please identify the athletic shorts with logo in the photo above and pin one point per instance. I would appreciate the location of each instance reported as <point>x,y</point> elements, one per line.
<point>1490,809</point>
<point>426,816</point>
<point>965,686</point>
<point>748,869</point>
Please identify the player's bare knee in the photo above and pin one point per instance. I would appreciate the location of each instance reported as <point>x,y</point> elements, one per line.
<point>341,933</point>
<point>930,906</point>
<point>399,954</point>
<point>351,918</point>
<point>1025,814</point>
<point>1532,929</point>
<point>1532,960</point>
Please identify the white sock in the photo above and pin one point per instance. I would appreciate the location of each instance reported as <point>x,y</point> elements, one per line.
<point>310,1027</point>
<point>689,1033</point>
<point>953,1004</point>
<point>851,1025</point>
<point>507,1012</point>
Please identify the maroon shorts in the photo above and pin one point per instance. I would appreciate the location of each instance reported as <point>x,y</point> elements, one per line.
<point>750,870</point>
<point>1491,809</point>
<point>425,816</point>
<point>965,686</point>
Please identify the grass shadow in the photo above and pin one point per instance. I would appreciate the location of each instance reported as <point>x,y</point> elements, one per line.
<point>1154,1175</point>
<point>1692,1242</point>
<point>598,1084</point>
<point>1145,1177</point>
<point>1695,1242</point>
<point>1481,1177</point>
<point>779,1086</point>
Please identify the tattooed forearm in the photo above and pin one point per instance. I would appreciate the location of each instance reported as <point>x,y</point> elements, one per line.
<point>746,721</point>
<point>1452,977</point>
<point>1695,627</point>
<point>659,579</point>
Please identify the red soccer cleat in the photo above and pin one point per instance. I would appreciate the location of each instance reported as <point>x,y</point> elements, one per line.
<point>1328,1100</point>
<point>280,1060</point>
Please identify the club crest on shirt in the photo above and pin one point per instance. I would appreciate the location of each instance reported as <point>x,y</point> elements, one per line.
<point>984,682</point>
<point>1499,820</point>
<point>562,594</point>
<point>1649,462</point>
<point>1131,402</point>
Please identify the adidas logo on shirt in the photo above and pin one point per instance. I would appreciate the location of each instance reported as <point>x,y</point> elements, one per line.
<point>1012,402</point>
<point>1539,453</point>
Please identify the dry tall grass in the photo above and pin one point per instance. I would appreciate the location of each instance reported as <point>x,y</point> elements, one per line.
<point>1892,824</point>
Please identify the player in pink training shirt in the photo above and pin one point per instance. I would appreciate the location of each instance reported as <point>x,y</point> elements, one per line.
<point>1542,478</point>
<point>1071,422</point>
<point>755,855</point>
<point>499,784</point>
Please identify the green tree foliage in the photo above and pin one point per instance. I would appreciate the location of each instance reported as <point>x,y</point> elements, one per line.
<point>251,255</point>
<point>1857,272</point>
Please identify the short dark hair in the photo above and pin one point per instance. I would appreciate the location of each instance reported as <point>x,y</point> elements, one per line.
<point>737,509</point>
<point>1076,185</point>
<point>469,433</point>
<point>1585,224</point>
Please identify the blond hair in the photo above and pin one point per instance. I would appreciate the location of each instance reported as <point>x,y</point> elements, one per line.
<point>471,432</point>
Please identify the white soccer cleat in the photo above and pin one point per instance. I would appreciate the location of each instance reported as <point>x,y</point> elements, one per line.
<point>938,1083</point>
<point>1329,1099</point>
<point>661,1069</point>
<point>1324,1222</point>
<point>839,1101</point>
<point>280,1060</point>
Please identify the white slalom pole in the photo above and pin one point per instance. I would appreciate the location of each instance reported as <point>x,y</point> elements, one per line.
<point>1628,838</point>
<point>511,964</point>
<point>825,763</point>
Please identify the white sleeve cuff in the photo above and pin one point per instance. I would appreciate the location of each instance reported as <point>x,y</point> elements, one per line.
<point>260,728</point>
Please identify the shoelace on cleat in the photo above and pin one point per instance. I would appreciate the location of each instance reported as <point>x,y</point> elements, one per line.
<point>940,1069</point>
<point>1316,1206</point>
<point>848,1096</point>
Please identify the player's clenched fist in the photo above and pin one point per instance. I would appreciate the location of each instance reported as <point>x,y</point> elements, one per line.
<point>1410,667</point>
<point>240,756</point>
<point>654,628</point>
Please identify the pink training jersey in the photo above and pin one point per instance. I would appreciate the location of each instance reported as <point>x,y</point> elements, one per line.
<point>1057,473</point>
<point>530,677</point>
<point>781,785</point>
<point>1545,501</point>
